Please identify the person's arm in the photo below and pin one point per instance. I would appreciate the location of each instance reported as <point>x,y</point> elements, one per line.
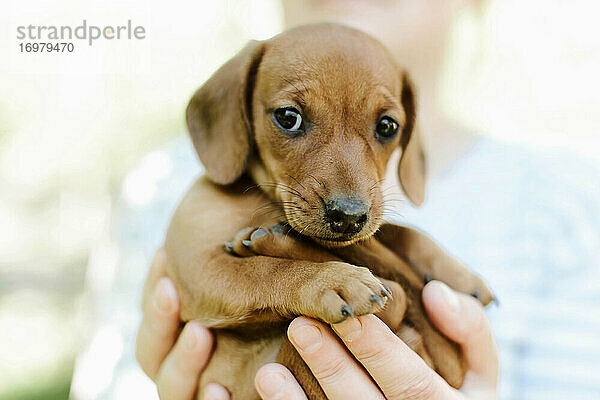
<point>171,357</point>
<point>386,367</point>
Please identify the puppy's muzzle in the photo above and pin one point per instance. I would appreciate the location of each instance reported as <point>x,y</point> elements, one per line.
<point>346,215</point>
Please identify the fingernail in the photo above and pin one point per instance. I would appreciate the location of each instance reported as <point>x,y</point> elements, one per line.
<point>271,385</point>
<point>165,296</point>
<point>191,334</point>
<point>214,391</point>
<point>450,297</point>
<point>348,330</point>
<point>306,336</point>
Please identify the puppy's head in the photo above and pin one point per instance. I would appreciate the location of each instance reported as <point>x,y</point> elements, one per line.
<point>313,114</point>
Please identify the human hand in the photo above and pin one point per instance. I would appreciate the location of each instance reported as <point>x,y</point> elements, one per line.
<point>173,358</point>
<point>373,363</point>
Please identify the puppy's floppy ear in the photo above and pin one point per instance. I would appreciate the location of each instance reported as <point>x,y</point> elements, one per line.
<point>411,168</point>
<point>219,116</point>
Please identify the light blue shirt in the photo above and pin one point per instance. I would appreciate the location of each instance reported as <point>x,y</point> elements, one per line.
<point>527,221</point>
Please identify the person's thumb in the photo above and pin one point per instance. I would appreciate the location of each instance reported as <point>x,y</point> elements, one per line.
<point>463,320</point>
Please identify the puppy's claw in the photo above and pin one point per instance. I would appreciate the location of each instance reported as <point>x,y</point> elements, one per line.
<point>258,233</point>
<point>244,231</point>
<point>475,293</point>
<point>277,228</point>
<point>229,247</point>
<point>427,278</point>
<point>376,299</point>
<point>247,244</point>
<point>495,300</point>
<point>347,312</point>
<point>386,292</point>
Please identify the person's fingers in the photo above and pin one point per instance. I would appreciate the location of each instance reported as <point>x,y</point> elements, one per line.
<point>159,327</point>
<point>178,375</point>
<point>336,370</point>
<point>214,391</point>
<point>158,269</point>
<point>276,382</point>
<point>399,372</point>
<point>463,320</point>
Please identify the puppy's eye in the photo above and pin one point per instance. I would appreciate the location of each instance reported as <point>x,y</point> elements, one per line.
<point>289,120</point>
<point>386,129</point>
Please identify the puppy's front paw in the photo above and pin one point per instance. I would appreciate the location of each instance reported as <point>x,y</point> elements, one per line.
<point>275,241</point>
<point>342,290</point>
<point>241,244</point>
<point>482,292</point>
<point>272,241</point>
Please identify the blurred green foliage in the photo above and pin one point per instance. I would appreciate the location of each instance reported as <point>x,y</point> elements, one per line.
<point>55,387</point>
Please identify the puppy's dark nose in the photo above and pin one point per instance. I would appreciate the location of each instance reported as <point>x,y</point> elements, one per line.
<point>346,214</point>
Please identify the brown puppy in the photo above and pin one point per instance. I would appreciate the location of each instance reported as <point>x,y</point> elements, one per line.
<point>295,134</point>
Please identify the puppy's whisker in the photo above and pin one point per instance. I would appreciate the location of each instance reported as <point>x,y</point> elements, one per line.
<point>376,184</point>
<point>298,92</point>
<point>319,182</point>
<point>274,204</point>
<point>277,207</point>
<point>301,81</point>
<point>391,194</point>
<point>263,210</point>
<point>274,184</point>
<point>305,227</point>
<point>399,200</point>
<point>285,188</point>
<point>319,196</point>
<point>290,189</point>
<point>294,212</point>
<point>392,214</point>
<point>250,188</point>
<point>296,180</point>
<point>293,222</point>
<point>389,188</point>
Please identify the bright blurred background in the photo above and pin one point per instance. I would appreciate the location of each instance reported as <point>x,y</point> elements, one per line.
<point>83,134</point>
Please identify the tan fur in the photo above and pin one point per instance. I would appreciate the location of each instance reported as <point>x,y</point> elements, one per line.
<point>343,81</point>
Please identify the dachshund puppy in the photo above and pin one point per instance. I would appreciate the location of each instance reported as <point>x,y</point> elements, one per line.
<point>295,133</point>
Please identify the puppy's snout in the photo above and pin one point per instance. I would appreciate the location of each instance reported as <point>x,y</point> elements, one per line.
<point>346,215</point>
